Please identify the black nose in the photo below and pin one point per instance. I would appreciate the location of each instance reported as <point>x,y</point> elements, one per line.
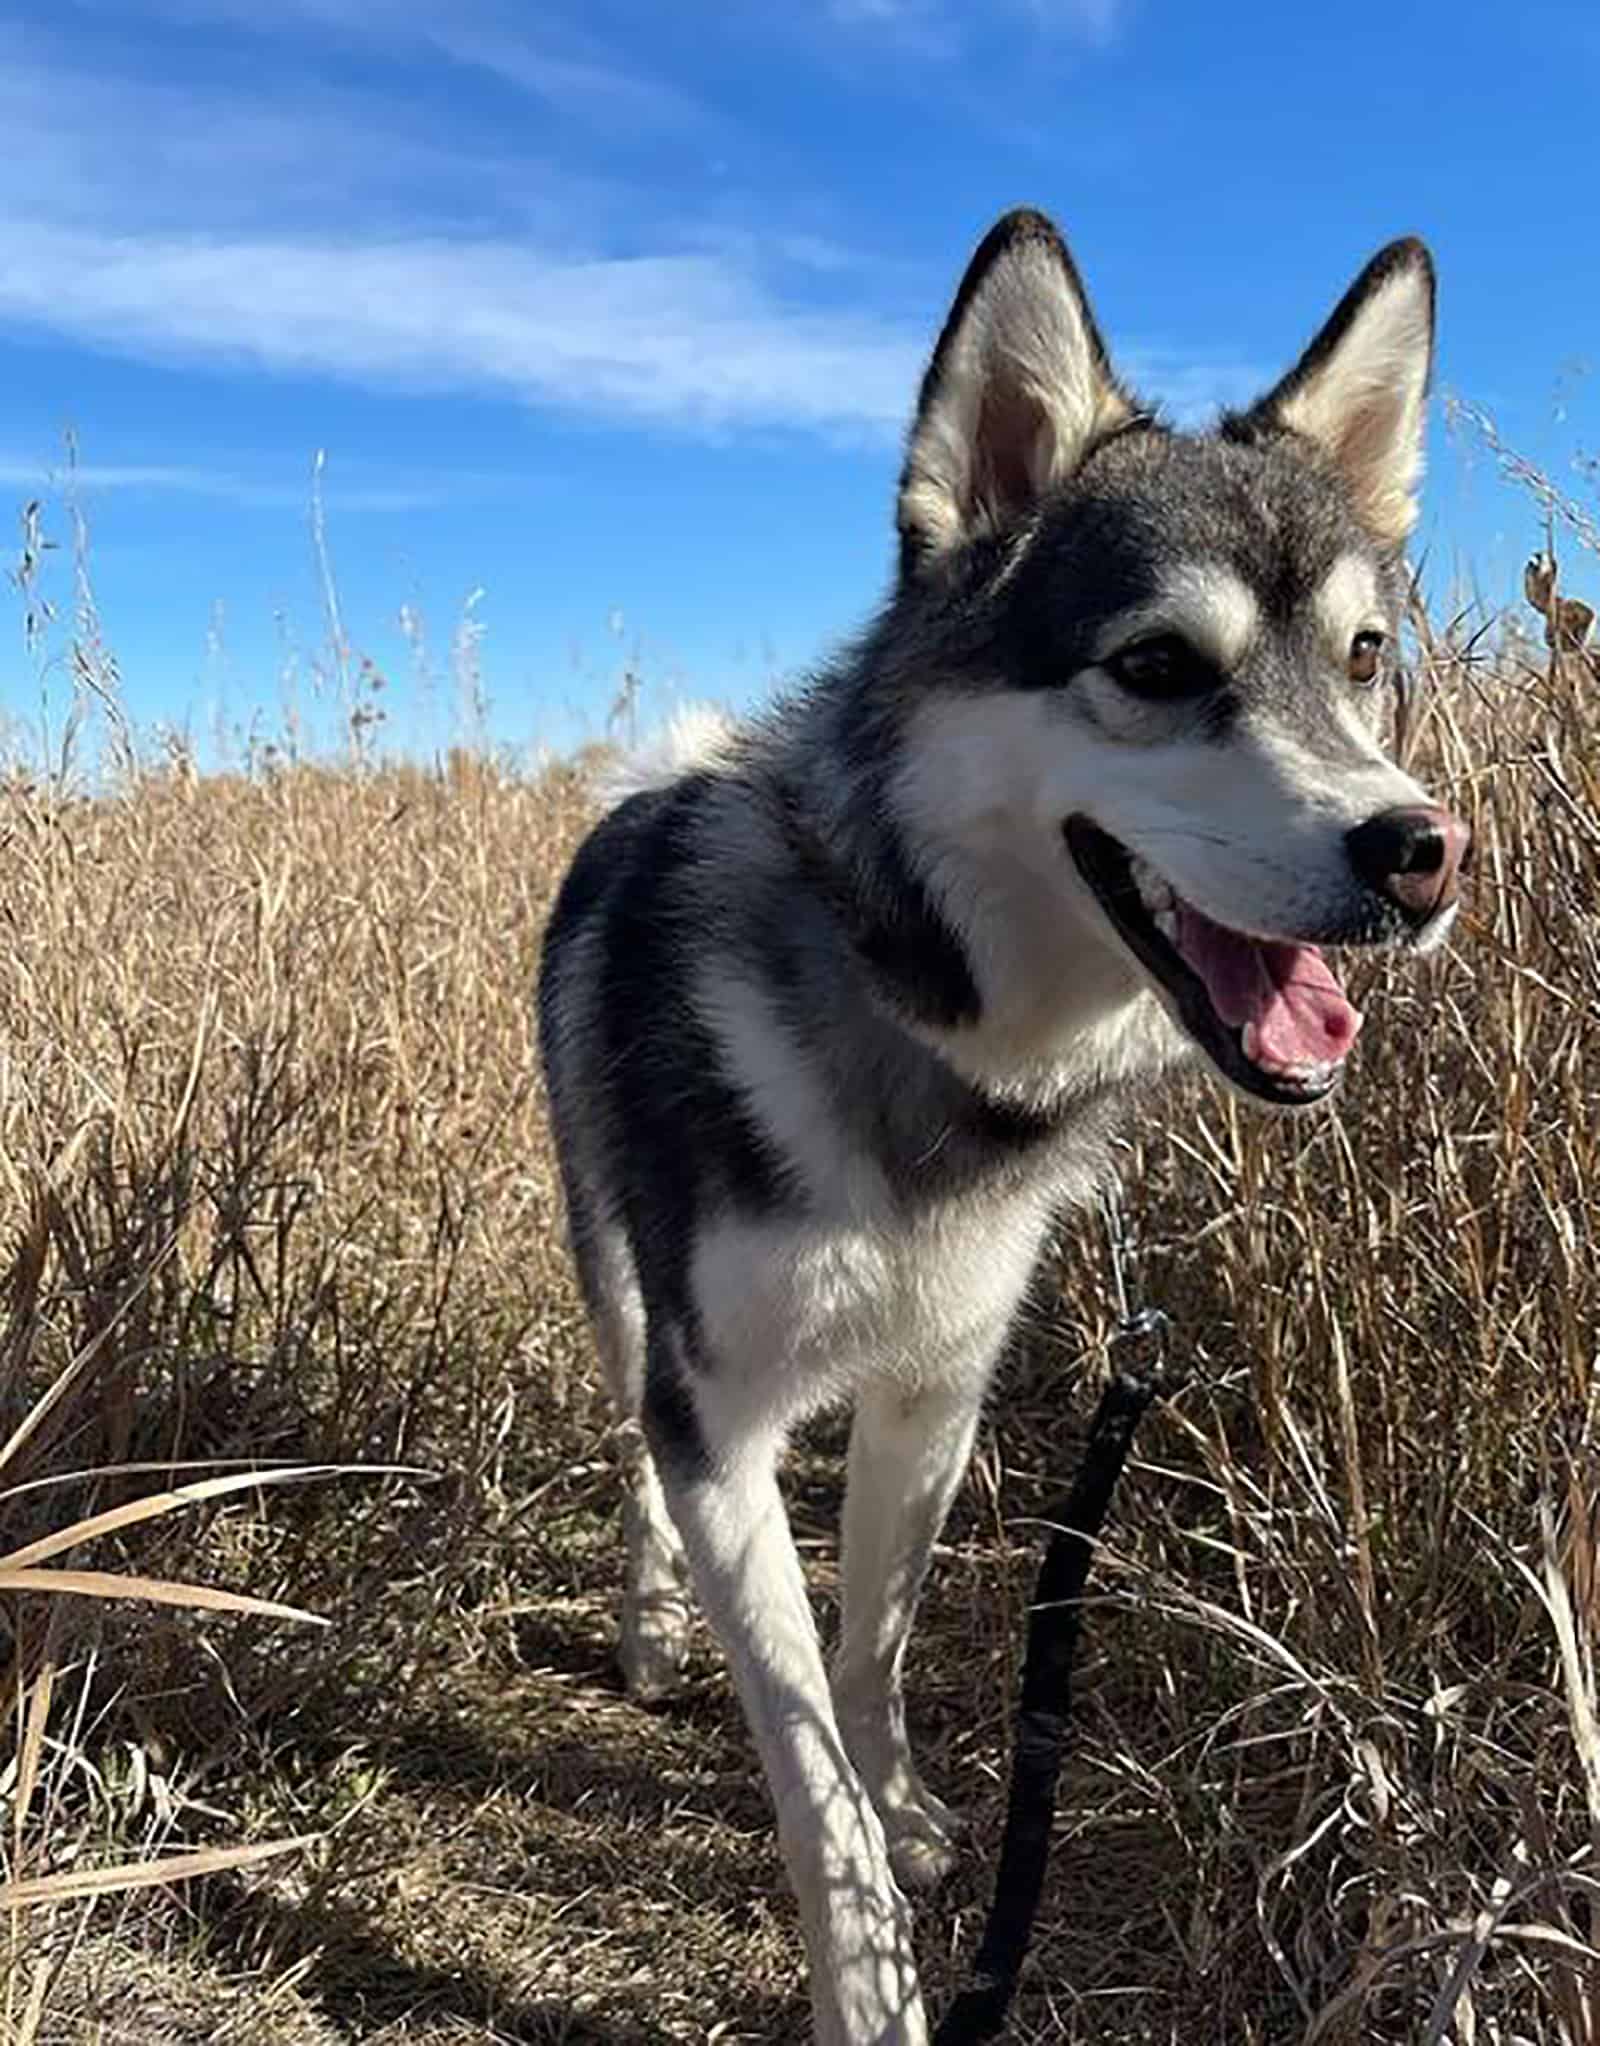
<point>1414,857</point>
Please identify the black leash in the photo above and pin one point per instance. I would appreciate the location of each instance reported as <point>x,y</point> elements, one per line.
<point>1043,1710</point>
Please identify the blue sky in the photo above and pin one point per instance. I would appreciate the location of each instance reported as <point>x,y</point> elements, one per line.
<point>607,315</point>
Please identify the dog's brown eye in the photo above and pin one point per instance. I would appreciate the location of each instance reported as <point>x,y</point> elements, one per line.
<point>1161,667</point>
<point>1366,657</point>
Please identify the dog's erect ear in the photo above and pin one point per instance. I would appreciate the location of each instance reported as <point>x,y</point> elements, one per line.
<point>1018,389</point>
<point>1358,390</point>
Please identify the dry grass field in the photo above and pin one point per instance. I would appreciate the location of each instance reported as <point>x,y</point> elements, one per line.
<point>276,1196</point>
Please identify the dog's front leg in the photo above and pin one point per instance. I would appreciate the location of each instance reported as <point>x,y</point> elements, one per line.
<point>908,1451</point>
<point>857,1925</point>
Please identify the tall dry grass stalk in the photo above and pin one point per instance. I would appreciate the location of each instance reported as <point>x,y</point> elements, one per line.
<point>237,1015</point>
<point>275,1194</point>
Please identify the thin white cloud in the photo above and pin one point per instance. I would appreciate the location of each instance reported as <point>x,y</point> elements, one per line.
<point>326,237</point>
<point>1190,391</point>
<point>92,479</point>
<point>1096,21</point>
<point>103,148</point>
<point>584,87</point>
<point>127,160</point>
<point>899,16</point>
<point>17,472</point>
<point>684,338</point>
<point>553,60</point>
<point>940,28</point>
<point>314,238</point>
<point>924,29</point>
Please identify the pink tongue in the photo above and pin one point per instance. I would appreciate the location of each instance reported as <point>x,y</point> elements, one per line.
<point>1301,1015</point>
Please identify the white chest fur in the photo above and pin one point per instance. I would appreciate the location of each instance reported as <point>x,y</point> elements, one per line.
<point>814,1306</point>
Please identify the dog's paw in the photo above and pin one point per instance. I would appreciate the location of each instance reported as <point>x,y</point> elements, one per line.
<point>653,1646</point>
<point>921,1861</point>
<point>922,1840</point>
<point>919,1828</point>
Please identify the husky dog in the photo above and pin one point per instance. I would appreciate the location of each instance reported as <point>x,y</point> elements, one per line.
<point>840,1008</point>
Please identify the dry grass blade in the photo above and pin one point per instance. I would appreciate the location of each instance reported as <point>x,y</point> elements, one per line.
<point>1579,1992</point>
<point>159,1591</point>
<point>80,1365</point>
<point>144,1875</point>
<point>1577,1667</point>
<point>1454,1990</point>
<point>100,1472</point>
<point>40,1697</point>
<point>38,1990</point>
<point>154,1505</point>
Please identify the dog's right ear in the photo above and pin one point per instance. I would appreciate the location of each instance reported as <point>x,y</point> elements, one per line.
<point>1018,389</point>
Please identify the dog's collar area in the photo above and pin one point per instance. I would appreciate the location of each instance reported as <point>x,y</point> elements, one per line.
<point>915,959</point>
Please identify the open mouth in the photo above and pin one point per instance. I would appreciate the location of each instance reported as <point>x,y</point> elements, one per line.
<point>1267,1012</point>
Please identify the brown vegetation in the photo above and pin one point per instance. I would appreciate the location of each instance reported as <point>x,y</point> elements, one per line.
<point>275,1191</point>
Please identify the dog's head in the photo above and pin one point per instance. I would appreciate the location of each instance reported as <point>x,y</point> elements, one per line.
<point>1170,650</point>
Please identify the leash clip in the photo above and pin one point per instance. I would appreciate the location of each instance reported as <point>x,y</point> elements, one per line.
<point>1141,1327</point>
